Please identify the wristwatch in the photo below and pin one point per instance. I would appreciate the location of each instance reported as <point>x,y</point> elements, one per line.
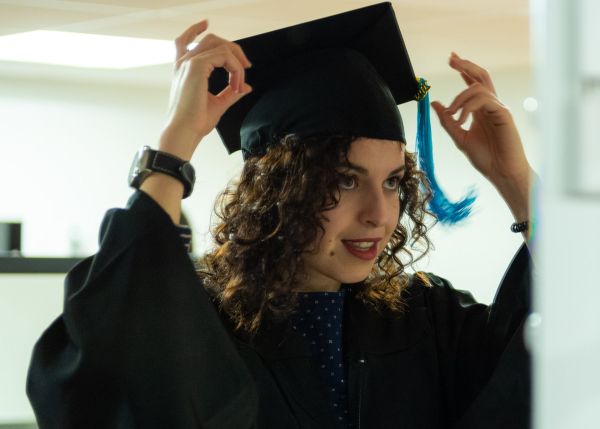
<point>148,161</point>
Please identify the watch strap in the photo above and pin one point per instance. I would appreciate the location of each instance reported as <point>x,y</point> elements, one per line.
<point>148,161</point>
<point>164,162</point>
<point>169,164</point>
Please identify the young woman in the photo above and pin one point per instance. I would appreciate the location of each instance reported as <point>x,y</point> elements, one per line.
<point>303,315</point>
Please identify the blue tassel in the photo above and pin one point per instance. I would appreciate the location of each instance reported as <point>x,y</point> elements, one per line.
<point>446,211</point>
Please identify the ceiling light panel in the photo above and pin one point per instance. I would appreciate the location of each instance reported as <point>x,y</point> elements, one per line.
<point>84,50</point>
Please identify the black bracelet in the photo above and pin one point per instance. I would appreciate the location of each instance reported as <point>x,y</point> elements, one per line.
<point>520,226</point>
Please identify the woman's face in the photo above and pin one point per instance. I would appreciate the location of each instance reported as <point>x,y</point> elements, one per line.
<point>357,230</point>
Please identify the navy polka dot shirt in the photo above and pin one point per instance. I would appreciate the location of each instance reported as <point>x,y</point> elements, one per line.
<point>319,320</point>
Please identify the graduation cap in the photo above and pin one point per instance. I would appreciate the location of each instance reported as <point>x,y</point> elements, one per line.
<point>340,75</point>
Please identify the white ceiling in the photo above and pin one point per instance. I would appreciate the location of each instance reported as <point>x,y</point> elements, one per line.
<point>493,32</point>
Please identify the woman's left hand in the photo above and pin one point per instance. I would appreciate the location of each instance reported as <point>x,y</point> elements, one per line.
<point>491,142</point>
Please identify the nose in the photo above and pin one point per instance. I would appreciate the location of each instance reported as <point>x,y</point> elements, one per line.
<point>374,209</point>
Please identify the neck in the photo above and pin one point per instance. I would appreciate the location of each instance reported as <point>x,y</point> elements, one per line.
<point>312,284</point>
<point>319,289</point>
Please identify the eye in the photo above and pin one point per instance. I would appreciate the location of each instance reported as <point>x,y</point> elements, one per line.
<point>347,182</point>
<point>392,183</point>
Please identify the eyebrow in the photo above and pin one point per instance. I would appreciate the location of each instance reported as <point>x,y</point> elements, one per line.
<point>363,170</point>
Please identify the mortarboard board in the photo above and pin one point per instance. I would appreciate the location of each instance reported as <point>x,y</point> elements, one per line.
<point>339,63</point>
<point>344,74</point>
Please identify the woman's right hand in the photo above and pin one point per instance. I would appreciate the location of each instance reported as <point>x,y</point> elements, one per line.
<point>193,110</point>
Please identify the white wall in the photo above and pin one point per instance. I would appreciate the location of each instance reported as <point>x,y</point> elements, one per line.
<point>28,304</point>
<point>65,152</point>
<point>65,156</point>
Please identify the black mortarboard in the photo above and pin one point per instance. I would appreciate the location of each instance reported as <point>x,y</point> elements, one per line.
<point>342,74</point>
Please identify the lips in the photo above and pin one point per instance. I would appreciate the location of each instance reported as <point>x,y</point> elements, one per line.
<point>362,248</point>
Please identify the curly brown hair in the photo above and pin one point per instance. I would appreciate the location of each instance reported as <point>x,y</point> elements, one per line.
<point>274,213</point>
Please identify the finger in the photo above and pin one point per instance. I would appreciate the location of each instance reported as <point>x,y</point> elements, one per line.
<point>471,70</point>
<point>468,79</point>
<point>208,42</point>
<point>459,100</point>
<point>227,97</point>
<point>237,74</point>
<point>449,123</point>
<point>236,79</point>
<point>473,105</point>
<point>187,37</point>
<point>206,62</point>
<point>240,54</point>
<point>212,42</point>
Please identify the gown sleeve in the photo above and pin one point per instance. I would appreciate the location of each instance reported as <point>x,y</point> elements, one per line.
<point>485,364</point>
<point>139,343</point>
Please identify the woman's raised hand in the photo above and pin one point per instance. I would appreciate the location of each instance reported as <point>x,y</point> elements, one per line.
<point>193,110</point>
<point>491,142</point>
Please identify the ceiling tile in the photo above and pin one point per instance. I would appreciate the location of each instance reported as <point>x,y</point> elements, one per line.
<point>35,18</point>
<point>139,4</point>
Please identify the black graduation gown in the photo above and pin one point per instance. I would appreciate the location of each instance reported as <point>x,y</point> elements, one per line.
<point>140,345</point>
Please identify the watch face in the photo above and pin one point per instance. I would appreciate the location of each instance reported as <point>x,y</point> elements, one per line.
<point>187,170</point>
<point>139,167</point>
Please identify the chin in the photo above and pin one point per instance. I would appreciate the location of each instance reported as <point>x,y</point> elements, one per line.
<point>357,277</point>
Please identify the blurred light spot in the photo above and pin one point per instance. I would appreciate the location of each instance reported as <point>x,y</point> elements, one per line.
<point>530,104</point>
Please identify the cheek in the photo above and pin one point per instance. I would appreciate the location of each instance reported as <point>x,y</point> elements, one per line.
<point>394,218</point>
<point>331,230</point>
<point>327,246</point>
<point>395,211</point>
<point>325,253</point>
<point>326,239</point>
